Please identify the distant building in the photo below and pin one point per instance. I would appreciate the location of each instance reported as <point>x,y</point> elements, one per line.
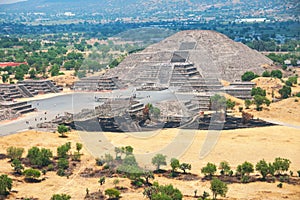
<point>287,62</point>
<point>11,64</point>
<point>252,20</point>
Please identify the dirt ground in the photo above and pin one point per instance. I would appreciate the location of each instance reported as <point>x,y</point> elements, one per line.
<point>234,146</point>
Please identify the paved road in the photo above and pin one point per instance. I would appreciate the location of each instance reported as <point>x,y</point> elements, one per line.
<point>73,103</point>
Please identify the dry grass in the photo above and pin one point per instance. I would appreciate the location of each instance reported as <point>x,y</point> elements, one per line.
<point>235,146</point>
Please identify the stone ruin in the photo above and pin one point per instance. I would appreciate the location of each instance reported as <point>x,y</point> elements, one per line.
<point>11,110</point>
<point>27,88</point>
<point>187,62</point>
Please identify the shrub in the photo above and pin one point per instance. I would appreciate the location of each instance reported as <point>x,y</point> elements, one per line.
<point>293,79</point>
<point>288,83</point>
<point>61,197</point>
<point>100,162</point>
<point>240,109</point>
<point>248,76</point>
<point>280,185</point>
<point>248,103</point>
<point>50,167</point>
<point>116,182</point>
<point>61,172</point>
<point>230,104</point>
<point>159,192</point>
<point>76,156</point>
<point>137,182</point>
<point>5,184</point>
<point>32,174</point>
<point>14,153</point>
<point>112,193</point>
<point>245,179</point>
<point>266,74</point>
<point>17,165</point>
<point>63,163</point>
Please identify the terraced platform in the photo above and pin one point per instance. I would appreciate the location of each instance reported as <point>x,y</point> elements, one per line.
<point>187,62</point>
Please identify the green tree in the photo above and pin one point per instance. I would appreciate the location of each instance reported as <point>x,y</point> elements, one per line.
<point>245,169</point>
<point>259,100</point>
<point>185,166</point>
<point>264,168</point>
<point>101,180</point>
<point>174,164</point>
<point>5,78</point>
<point>118,151</point>
<point>112,193</point>
<point>32,73</point>
<point>281,165</point>
<point>285,92</point>
<point>17,165</point>
<point>276,74</point>
<point>209,170</point>
<point>148,175</point>
<point>19,75</point>
<point>54,70</point>
<point>62,129</point>
<point>116,182</point>
<point>128,150</point>
<point>218,188</point>
<point>69,64</point>
<point>31,174</point>
<point>39,157</point>
<point>258,91</point>
<point>225,168</point>
<point>78,147</point>
<point>60,197</point>
<point>293,79</point>
<point>159,160</point>
<point>248,76</point>
<point>63,150</point>
<point>5,184</point>
<point>14,152</point>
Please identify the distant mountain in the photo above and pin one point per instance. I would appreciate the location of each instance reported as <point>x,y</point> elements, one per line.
<point>138,5</point>
<point>159,9</point>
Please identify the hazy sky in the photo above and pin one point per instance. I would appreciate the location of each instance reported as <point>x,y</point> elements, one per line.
<point>10,1</point>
